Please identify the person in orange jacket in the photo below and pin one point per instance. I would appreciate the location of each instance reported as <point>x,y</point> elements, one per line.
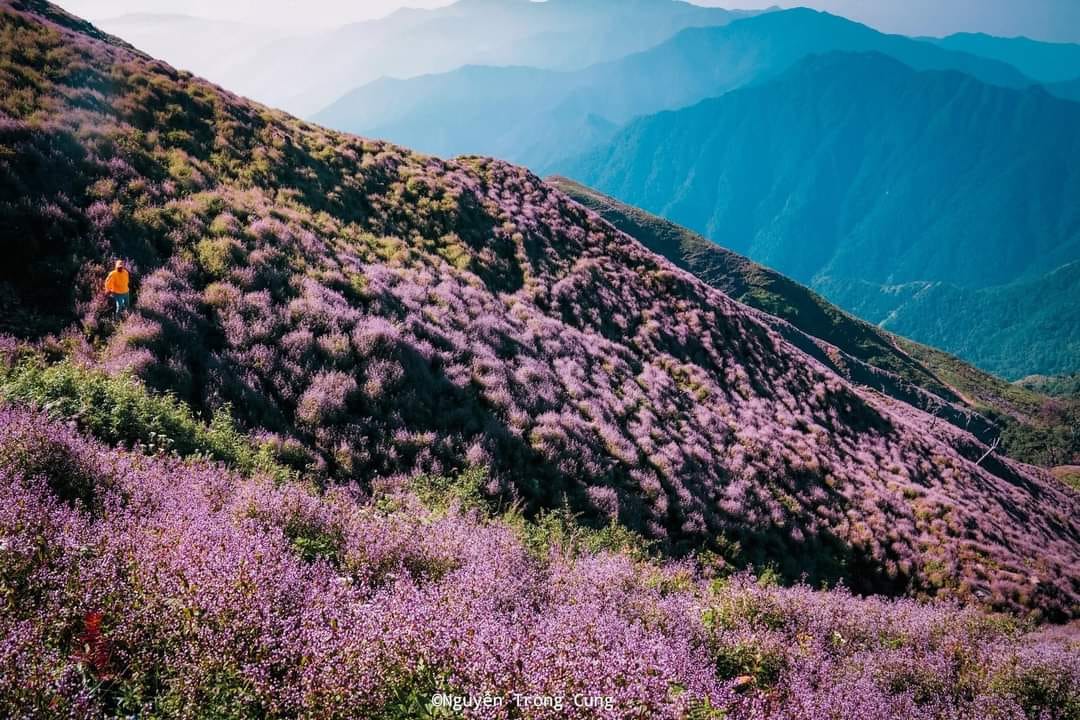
<point>118,287</point>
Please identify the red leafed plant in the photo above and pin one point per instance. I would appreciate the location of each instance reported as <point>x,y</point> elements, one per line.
<point>92,647</point>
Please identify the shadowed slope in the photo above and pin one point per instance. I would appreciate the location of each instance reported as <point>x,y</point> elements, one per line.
<point>757,286</point>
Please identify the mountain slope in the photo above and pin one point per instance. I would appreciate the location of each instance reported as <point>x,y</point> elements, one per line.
<point>306,74</point>
<point>1012,331</point>
<point>1068,90</point>
<point>1032,427</point>
<point>1060,386</point>
<point>430,113</point>
<point>1044,62</point>
<point>855,171</point>
<point>757,286</point>
<point>370,314</point>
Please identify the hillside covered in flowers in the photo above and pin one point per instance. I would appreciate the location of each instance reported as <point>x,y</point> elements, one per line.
<point>351,316</point>
<point>370,312</point>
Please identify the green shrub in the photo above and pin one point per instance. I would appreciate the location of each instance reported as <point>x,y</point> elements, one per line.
<point>562,530</point>
<point>464,491</point>
<point>314,543</point>
<point>227,696</point>
<point>412,694</point>
<point>119,410</point>
<point>559,529</point>
<point>1042,692</point>
<point>746,659</point>
<point>1070,477</point>
<point>217,255</point>
<point>731,610</point>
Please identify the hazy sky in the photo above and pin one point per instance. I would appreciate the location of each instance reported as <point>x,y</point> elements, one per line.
<point>1057,20</point>
<point>277,12</point>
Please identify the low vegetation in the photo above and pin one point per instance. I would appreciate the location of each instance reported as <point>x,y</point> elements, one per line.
<point>332,605</point>
<point>1036,426</point>
<point>120,410</point>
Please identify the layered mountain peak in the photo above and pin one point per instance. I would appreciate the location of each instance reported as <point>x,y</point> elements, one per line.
<point>553,115</point>
<point>306,74</point>
<point>372,313</point>
<point>877,184</point>
<point>1046,62</point>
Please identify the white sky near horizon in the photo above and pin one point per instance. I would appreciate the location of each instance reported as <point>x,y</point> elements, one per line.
<point>1053,20</point>
<point>279,13</point>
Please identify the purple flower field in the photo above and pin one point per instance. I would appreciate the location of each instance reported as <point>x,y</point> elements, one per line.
<point>170,589</point>
<point>365,316</point>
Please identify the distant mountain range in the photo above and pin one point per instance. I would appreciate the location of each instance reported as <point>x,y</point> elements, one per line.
<point>536,117</point>
<point>853,172</point>
<point>1044,62</point>
<point>306,74</point>
<point>1056,65</point>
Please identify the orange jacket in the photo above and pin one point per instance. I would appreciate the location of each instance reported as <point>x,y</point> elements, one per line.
<point>117,282</point>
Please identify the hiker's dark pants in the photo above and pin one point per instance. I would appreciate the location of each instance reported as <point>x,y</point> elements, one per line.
<point>121,301</point>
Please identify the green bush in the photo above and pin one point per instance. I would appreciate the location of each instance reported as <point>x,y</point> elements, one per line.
<point>119,410</point>
<point>314,543</point>
<point>559,529</point>
<point>747,659</point>
<point>562,530</point>
<point>1042,692</point>
<point>412,693</point>
<point>464,491</point>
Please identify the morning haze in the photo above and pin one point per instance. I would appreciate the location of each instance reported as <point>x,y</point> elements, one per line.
<point>1050,20</point>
